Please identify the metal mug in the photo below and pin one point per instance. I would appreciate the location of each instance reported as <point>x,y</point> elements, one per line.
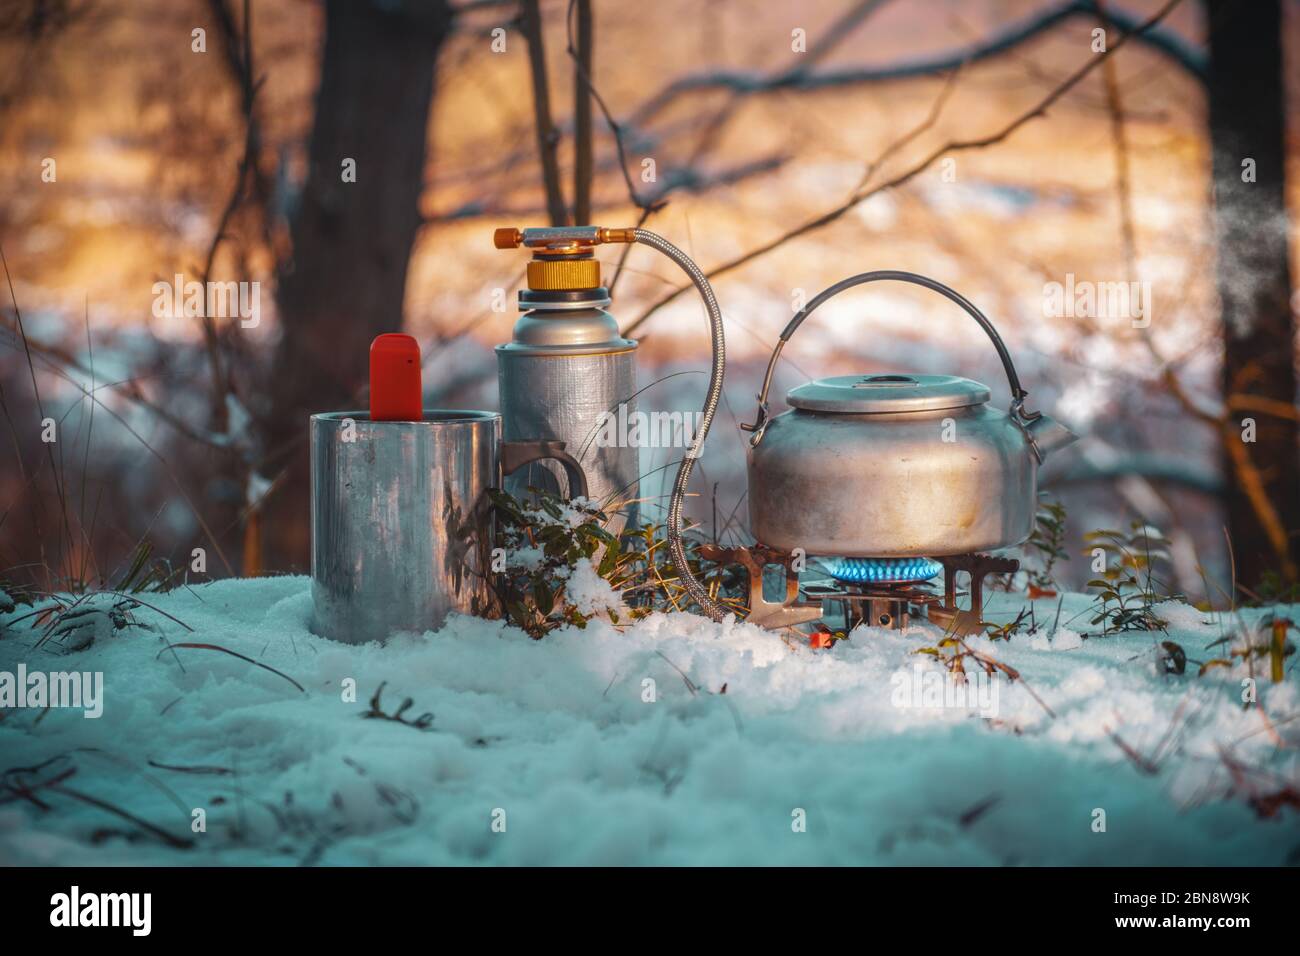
<point>401,525</point>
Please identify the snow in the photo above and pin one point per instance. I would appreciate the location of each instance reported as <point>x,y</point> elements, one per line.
<point>1181,616</point>
<point>591,594</point>
<point>1062,639</point>
<point>598,746</point>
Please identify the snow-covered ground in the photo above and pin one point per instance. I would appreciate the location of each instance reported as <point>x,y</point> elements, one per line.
<point>601,747</point>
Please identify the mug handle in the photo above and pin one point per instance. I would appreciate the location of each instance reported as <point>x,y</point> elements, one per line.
<point>516,454</point>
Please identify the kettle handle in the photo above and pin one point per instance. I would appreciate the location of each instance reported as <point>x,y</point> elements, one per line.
<point>1018,394</point>
<point>516,454</point>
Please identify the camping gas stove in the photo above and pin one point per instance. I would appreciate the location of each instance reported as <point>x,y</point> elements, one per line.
<point>877,592</point>
<point>901,476</point>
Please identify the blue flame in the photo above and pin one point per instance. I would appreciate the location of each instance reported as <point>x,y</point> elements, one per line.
<point>881,570</point>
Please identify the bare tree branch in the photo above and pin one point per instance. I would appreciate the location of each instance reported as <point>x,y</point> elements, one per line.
<point>674,180</point>
<point>239,55</point>
<point>1187,56</point>
<point>826,43</point>
<point>952,146</point>
<point>906,139</point>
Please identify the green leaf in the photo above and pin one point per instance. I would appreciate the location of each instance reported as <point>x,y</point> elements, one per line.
<point>544,597</point>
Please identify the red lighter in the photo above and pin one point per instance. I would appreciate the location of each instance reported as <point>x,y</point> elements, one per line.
<point>395,386</point>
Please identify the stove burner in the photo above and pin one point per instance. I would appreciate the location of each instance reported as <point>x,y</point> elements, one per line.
<point>881,570</point>
<point>899,590</point>
<point>883,604</point>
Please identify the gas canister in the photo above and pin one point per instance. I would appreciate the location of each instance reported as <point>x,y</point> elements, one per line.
<point>567,367</point>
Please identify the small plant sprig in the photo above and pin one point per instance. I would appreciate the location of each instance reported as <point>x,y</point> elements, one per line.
<point>13,596</point>
<point>77,614</point>
<point>1122,608</point>
<point>953,651</point>
<point>1024,621</point>
<point>77,627</point>
<point>650,581</point>
<point>143,576</point>
<point>1275,647</point>
<point>556,535</point>
<point>1047,541</point>
<point>1127,590</point>
<point>75,624</point>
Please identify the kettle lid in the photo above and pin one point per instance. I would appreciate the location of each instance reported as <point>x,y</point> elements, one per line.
<point>859,394</point>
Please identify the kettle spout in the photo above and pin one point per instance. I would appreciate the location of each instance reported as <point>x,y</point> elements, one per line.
<point>1049,435</point>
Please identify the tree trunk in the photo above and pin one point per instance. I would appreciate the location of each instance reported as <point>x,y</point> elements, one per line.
<point>351,241</point>
<point>548,136</point>
<point>1247,132</point>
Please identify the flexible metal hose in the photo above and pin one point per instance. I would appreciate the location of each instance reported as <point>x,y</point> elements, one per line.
<point>676,552</point>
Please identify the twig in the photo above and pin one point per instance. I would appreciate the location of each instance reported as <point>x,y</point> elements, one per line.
<point>242,657</point>
<point>179,843</point>
<point>690,684</point>
<point>978,810</point>
<point>376,711</point>
<point>1142,763</point>
<point>204,770</point>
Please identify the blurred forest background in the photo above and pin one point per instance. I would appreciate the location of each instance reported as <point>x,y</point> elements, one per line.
<point>996,145</point>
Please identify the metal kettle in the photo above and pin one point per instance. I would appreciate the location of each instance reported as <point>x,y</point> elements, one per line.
<point>896,465</point>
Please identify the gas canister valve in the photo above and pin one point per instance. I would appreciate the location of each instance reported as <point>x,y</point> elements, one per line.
<point>560,239</point>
